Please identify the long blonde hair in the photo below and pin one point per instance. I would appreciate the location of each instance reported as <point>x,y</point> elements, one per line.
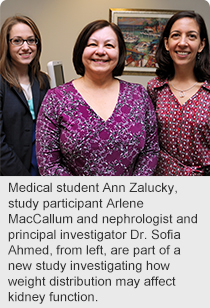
<point>6,68</point>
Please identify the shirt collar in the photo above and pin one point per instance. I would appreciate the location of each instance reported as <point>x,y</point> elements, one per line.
<point>206,85</point>
<point>158,83</point>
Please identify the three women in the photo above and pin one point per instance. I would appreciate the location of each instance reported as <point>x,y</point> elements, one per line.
<point>100,125</point>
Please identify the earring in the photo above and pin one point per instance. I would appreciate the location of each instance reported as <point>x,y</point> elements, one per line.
<point>198,56</point>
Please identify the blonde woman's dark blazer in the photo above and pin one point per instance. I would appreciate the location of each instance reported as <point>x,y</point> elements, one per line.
<point>16,128</point>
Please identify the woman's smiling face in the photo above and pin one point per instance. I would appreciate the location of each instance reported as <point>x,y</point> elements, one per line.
<point>101,54</point>
<point>184,42</point>
<point>24,54</point>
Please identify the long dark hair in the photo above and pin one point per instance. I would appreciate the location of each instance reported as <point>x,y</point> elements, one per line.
<point>165,64</point>
<point>82,40</point>
<point>6,69</point>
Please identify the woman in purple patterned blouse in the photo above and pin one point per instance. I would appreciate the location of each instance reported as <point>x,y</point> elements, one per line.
<point>97,125</point>
<point>181,94</point>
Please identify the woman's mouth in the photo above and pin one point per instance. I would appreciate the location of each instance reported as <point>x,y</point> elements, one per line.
<point>25,55</point>
<point>182,53</point>
<point>99,60</point>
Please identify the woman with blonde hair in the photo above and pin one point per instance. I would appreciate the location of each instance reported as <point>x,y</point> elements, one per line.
<point>22,89</point>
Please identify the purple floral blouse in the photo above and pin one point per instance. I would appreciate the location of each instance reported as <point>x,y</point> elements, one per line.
<point>72,139</point>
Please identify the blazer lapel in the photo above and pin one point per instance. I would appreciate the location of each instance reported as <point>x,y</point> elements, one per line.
<point>22,97</point>
<point>36,95</point>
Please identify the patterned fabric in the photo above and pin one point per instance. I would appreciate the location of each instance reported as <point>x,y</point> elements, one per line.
<point>73,140</point>
<point>184,130</point>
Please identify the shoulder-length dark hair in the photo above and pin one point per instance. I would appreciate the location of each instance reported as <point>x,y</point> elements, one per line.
<point>6,68</point>
<point>165,64</point>
<point>82,40</point>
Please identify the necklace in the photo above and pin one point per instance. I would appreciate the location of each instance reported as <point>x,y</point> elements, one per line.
<point>182,92</point>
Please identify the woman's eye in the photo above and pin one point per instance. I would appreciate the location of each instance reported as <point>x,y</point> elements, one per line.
<point>31,41</point>
<point>175,35</point>
<point>91,44</point>
<point>192,36</point>
<point>110,45</point>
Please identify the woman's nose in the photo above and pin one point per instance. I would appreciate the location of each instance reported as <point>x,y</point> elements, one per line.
<point>100,50</point>
<point>183,40</point>
<point>25,45</point>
